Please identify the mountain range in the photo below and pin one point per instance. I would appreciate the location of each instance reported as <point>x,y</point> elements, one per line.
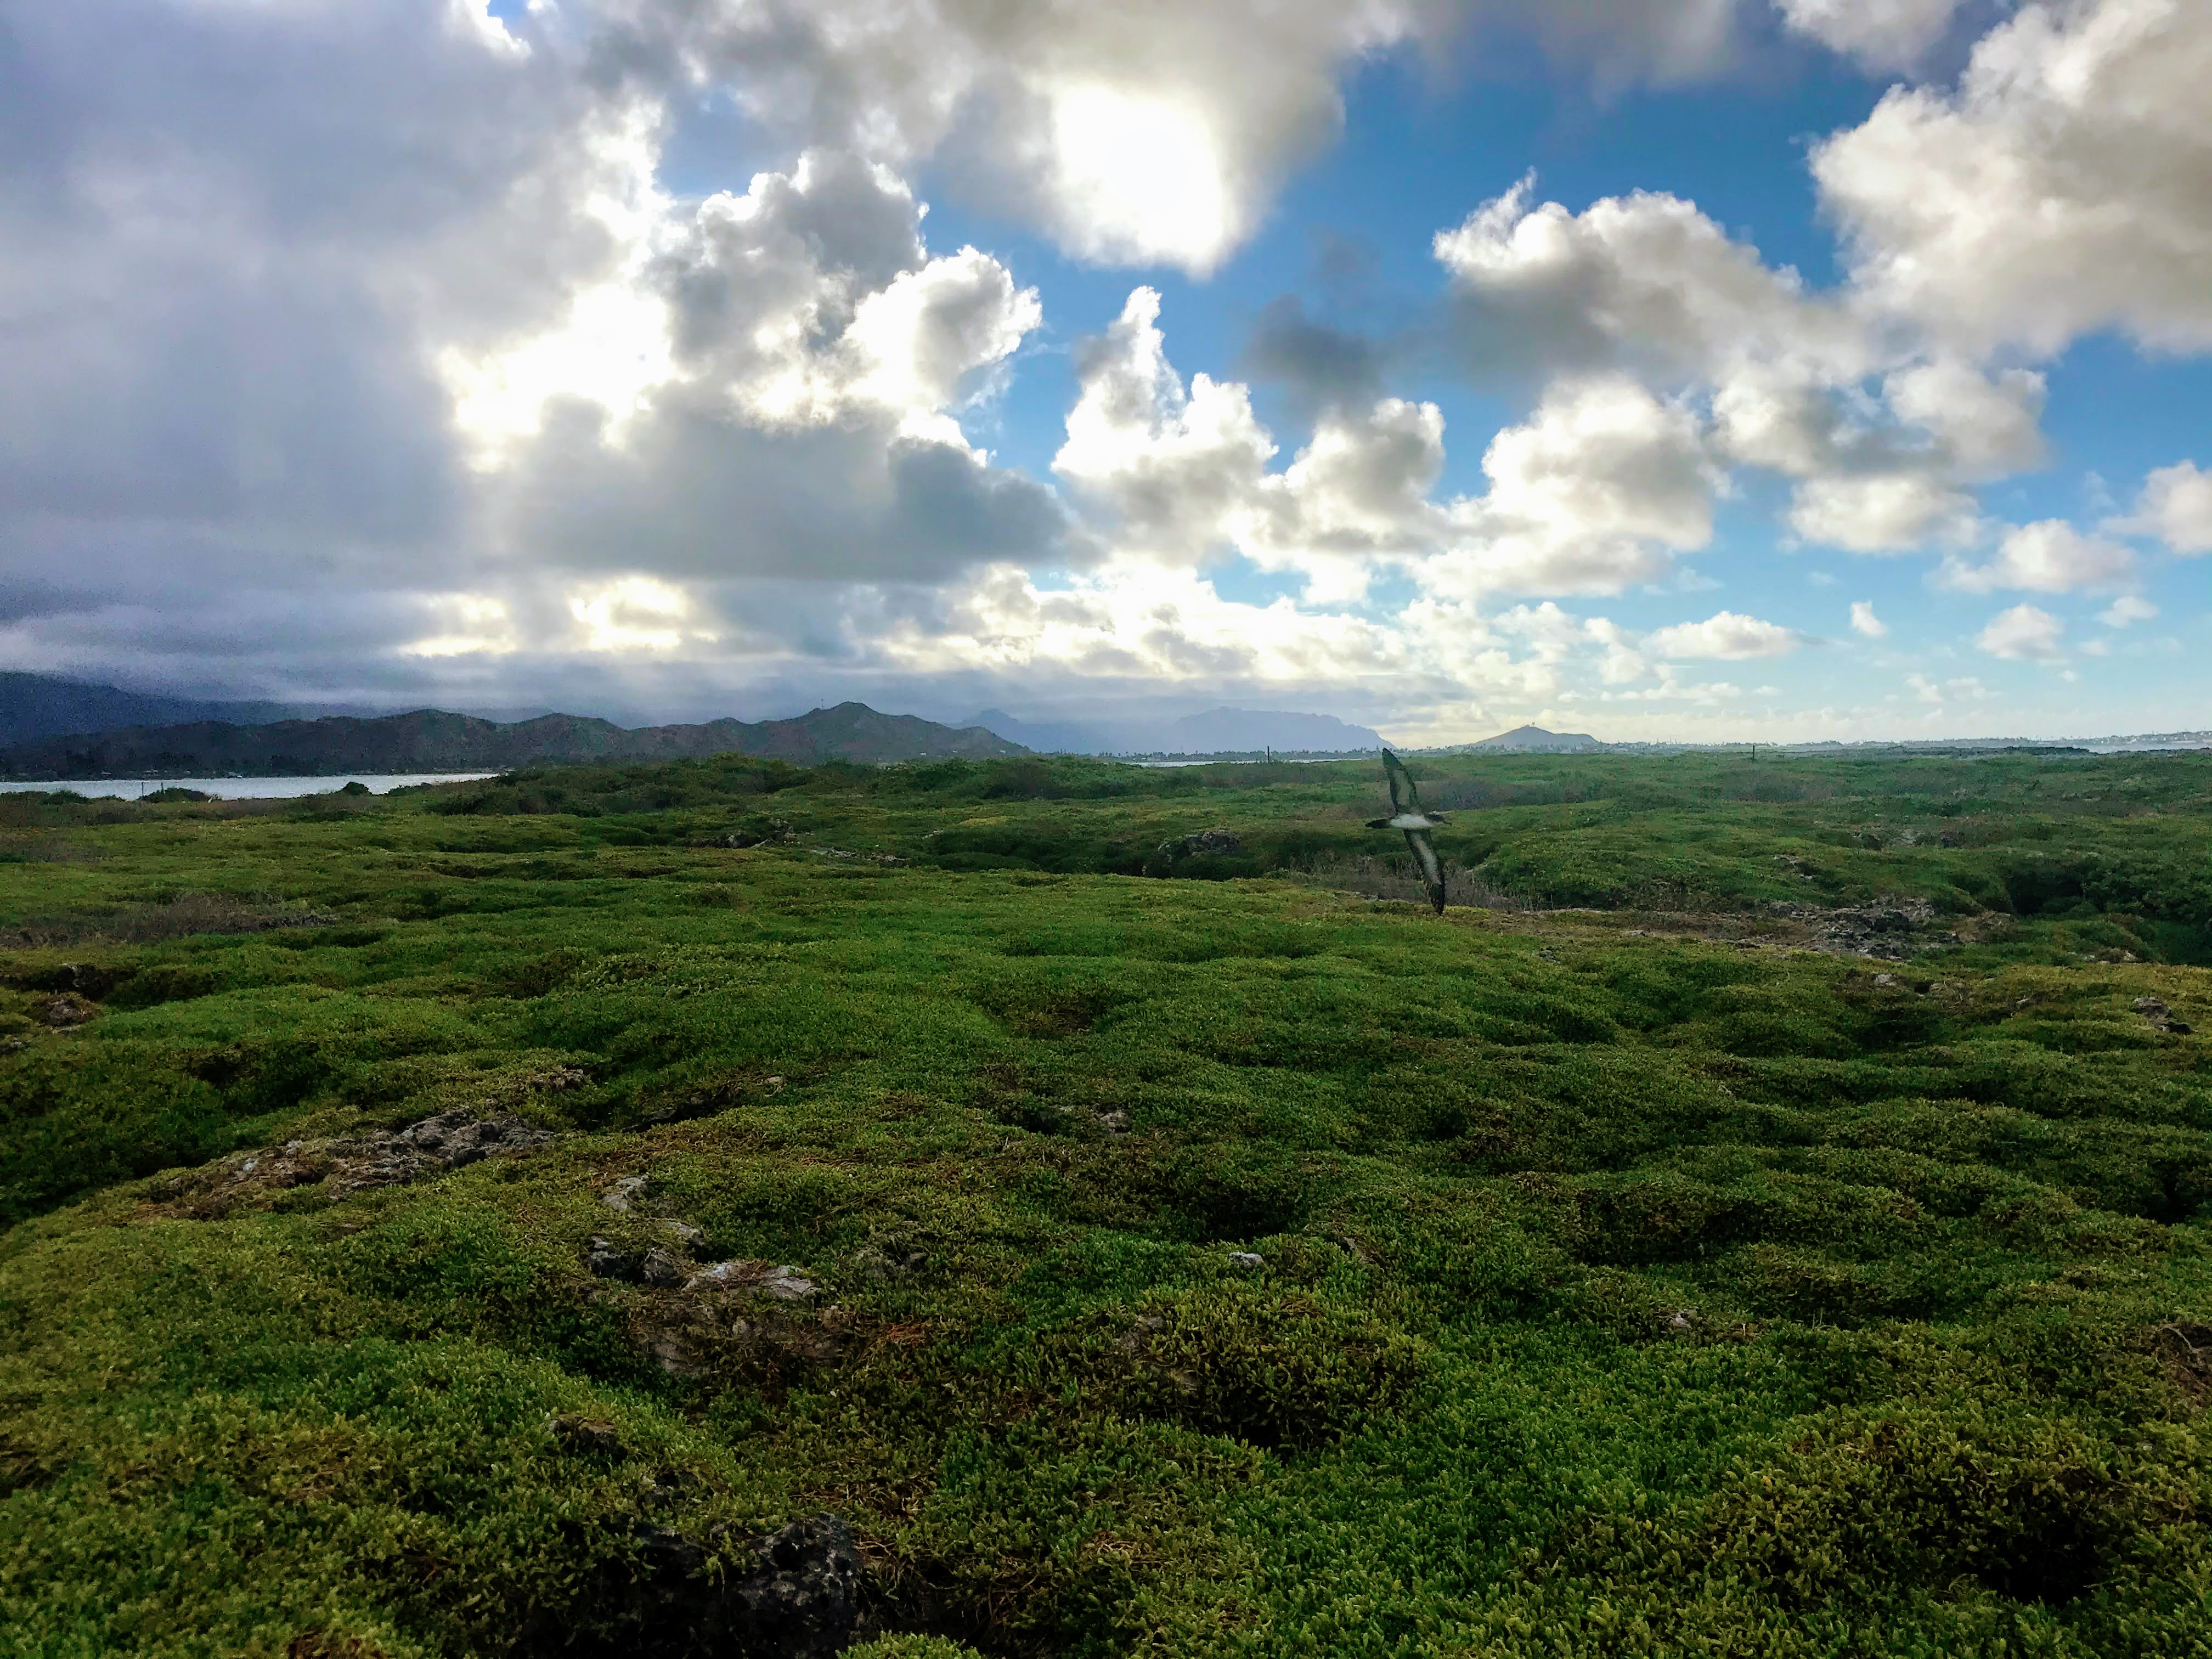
<point>430,740</point>
<point>36,706</point>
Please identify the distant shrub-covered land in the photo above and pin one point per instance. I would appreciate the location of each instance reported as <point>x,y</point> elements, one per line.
<point>1019,1207</point>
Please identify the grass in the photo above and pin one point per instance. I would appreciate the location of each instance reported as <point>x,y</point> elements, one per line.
<point>1631,1281</point>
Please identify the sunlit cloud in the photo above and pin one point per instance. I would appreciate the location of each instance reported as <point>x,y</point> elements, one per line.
<point>636,614</point>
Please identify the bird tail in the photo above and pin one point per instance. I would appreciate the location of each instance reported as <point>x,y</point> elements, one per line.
<point>1433,871</point>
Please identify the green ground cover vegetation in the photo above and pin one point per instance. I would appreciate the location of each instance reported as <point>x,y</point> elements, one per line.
<point>1631,1279</point>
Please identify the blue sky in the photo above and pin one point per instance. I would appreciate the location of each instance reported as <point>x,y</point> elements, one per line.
<point>1788,369</point>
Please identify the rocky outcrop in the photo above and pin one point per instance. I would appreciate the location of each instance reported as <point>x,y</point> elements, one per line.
<point>803,1596</point>
<point>66,1012</point>
<point>797,1593</point>
<point>1888,932</point>
<point>647,1266</point>
<point>392,1157</point>
<point>747,1315</point>
<point>2160,1016</point>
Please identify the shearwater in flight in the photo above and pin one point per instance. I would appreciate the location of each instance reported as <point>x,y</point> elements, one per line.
<point>1406,814</point>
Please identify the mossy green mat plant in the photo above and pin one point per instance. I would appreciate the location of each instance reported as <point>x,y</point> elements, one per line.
<point>1136,1265</point>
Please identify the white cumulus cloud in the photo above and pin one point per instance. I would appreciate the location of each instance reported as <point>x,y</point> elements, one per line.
<point>1149,132</point>
<point>2050,557</point>
<point>2176,507</point>
<point>1645,280</point>
<point>2129,608</point>
<point>420,369</point>
<point>1598,490</point>
<point>1863,620</point>
<point>1880,513</point>
<point>1648,286</point>
<point>1172,464</point>
<point>1725,636</point>
<point>2024,634</point>
<point>1881,34</point>
<point>2064,186</point>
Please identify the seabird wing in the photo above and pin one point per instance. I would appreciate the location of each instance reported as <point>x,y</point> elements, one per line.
<point>1403,798</point>
<point>1432,872</point>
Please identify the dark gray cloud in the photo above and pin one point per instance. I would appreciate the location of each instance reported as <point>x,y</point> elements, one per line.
<point>1320,366</point>
<point>687,493</point>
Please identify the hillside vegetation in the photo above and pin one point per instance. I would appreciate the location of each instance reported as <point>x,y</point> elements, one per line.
<point>431,740</point>
<point>468,1222</point>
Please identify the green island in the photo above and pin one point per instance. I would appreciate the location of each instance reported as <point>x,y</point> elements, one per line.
<point>1092,1210</point>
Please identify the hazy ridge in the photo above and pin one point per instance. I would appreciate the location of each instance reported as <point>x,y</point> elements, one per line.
<point>431,741</point>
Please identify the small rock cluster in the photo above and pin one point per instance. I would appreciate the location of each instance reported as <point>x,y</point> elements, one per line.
<point>66,1012</point>
<point>2161,1016</point>
<point>735,1311</point>
<point>1176,848</point>
<point>889,860</point>
<point>785,1283</point>
<point>704,1315</point>
<point>1888,932</point>
<point>387,1159</point>
<point>802,1597</point>
<point>646,1267</point>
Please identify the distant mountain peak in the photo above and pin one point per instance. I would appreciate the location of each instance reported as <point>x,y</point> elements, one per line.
<point>1534,739</point>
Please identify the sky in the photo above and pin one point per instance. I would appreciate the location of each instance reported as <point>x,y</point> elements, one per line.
<point>1679,370</point>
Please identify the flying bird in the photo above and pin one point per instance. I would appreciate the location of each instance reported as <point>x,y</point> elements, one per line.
<point>1406,814</point>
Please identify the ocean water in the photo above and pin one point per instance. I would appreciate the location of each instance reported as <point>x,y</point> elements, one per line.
<point>244,788</point>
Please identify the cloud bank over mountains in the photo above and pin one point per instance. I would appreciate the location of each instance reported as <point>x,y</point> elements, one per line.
<point>358,349</point>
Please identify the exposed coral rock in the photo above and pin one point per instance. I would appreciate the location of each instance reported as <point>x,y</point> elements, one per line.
<point>803,1596</point>
<point>2154,1011</point>
<point>776,831</point>
<point>651,1266</point>
<point>1889,932</point>
<point>66,1011</point>
<point>785,1283</point>
<point>606,1261</point>
<point>741,1313</point>
<point>387,1159</point>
